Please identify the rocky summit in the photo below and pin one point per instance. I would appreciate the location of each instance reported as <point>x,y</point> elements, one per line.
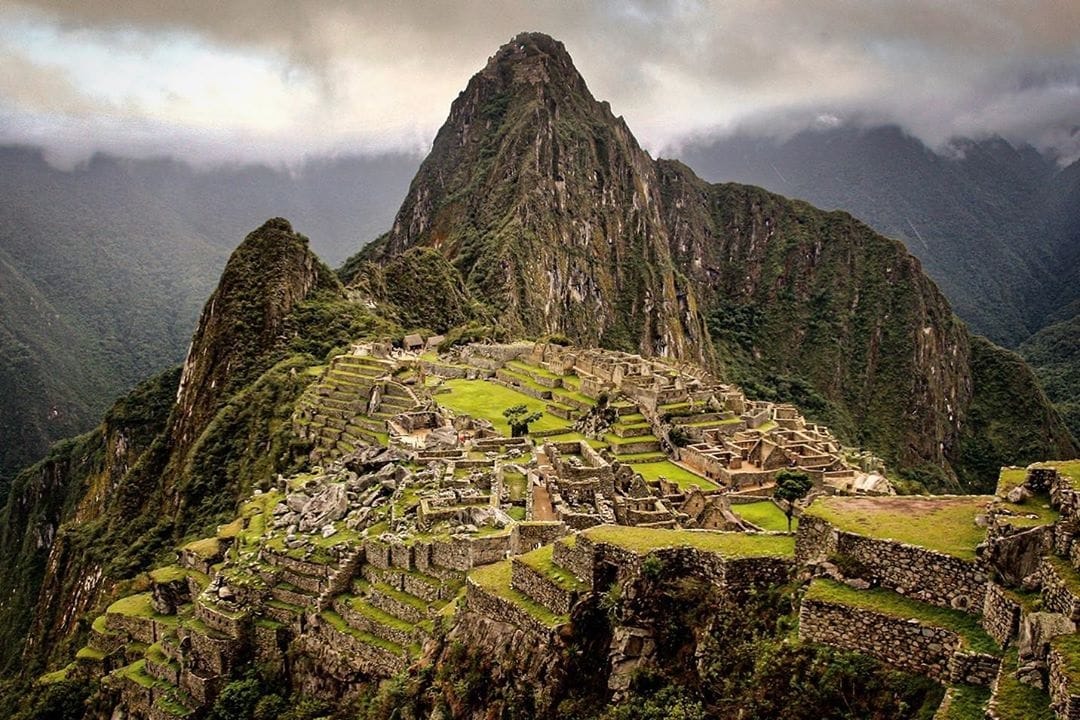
<point>581,436</point>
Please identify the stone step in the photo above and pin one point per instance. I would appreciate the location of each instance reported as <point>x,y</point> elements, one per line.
<point>401,605</point>
<point>292,595</point>
<point>363,616</point>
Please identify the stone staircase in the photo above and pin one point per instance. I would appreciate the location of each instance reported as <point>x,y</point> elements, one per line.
<point>349,406</point>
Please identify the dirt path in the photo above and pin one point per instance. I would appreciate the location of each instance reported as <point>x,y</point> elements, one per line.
<point>541,505</point>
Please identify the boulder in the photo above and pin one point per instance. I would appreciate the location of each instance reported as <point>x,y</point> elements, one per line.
<point>329,506</point>
<point>1036,632</point>
<point>1018,495</point>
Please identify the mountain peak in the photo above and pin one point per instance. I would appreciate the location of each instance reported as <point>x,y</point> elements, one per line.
<point>531,59</point>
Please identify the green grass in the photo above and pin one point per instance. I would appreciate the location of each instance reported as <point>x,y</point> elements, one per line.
<point>893,604</point>
<point>765,515</point>
<point>944,524</point>
<point>134,606</point>
<point>89,653</point>
<point>1036,505</point>
<point>1009,478</point>
<point>136,672</point>
<point>98,626</point>
<point>339,624</point>
<point>517,484</point>
<point>516,512</point>
<point>168,574</point>
<point>1017,701</point>
<point>675,473</point>
<point>487,400</point>
<point>495,578</point>
<point>206,548</point>
<point>541,560</point>
<point>968,703</point>
<point>1069,648</point>
<point>56,676</point>
<point>727,544</point>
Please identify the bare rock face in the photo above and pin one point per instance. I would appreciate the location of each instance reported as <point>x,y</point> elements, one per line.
<point>1036,632</point>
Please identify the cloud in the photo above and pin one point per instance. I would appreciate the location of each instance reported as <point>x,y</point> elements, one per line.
<point>279,79</point>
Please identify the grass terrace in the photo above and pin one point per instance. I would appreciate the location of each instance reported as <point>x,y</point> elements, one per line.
<point>487,400</point>
<point>968,702</point>
<point>495,578</point>
<point>945,524</point>
<point>890,603</point>
<point>1008,478</point>
<point>138,606</point>
<point>542,561</point>
<point>765,515</point>
<point>677,474</point>
<point>727,544</point>
<point>1069,648</point>
<point>1017,701</point>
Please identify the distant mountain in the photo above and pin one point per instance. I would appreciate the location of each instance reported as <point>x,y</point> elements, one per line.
<point>554,216</point>
<point>997,226</point>
<point>103,269</point>
<point>994,225</point>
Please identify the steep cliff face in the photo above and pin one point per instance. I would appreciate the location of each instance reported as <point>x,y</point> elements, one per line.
<point>173,454</point>
<point>555,216</point>
<point>72,484</point>
<point>550,210</point>
<point>271,271</point>
<point>822,297</point>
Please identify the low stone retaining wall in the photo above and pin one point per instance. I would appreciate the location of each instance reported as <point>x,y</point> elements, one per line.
<point>135,628</point>
<point>925,575</point>
<point>219,620</point>
<point>392,606</point>
<point>576,558</point>
<point>1056,595</point>
<point>541,588</point>
<point>1001,614</point>
<point>903,643</point>
<point>365,624</point>
<point>502,610</point>
<point>1064,696</point>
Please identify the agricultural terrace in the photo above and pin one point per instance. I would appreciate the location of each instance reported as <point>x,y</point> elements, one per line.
<point>487,400</point>
<point>766,515</point>
<point>945,524</point>
<point>726,544</point>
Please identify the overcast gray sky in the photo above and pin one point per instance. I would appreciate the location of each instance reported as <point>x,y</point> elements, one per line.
<point>283,79</point>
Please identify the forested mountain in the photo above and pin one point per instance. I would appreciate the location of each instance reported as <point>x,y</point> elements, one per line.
<point>997,226</point>
<point>103,268</point>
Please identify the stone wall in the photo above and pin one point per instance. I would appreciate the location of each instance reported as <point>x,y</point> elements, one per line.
<point>528,536</point>
<point>540,588</point>
<point>499,609</point>
<point>926,575</point>
<point>815,540</point>
<point>1064,695</point>
<point>902,643</point>
<point>577,558</point>
<point>1056,593</point>
<point>1000,614</point>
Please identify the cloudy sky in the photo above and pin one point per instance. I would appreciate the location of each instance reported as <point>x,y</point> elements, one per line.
<point>279,80</point>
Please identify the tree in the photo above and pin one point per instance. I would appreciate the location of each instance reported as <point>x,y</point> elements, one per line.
<point>519,419</point>
<point>791,485</point>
